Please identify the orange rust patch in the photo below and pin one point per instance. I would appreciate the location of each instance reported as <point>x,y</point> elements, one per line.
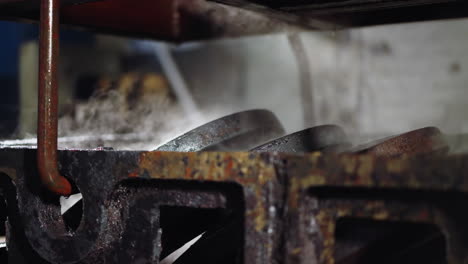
<point>188,172</point>
<point>228,166</point>
<point>211,166</point>
<point>349,163</point>
<point>396,165</point>
<point>365,169</point>
<point>251,172</point>
<point>133,174</point>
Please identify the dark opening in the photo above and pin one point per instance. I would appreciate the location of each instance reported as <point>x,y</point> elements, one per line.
<point>222,234</point>
<point>188,209</point>
<point>222,228</point>
<point>72,217</point>
<point>360,241</point>
<point>3,218</point>
<point>85,86</point>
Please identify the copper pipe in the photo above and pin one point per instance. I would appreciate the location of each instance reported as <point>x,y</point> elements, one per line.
<point>48,100</point>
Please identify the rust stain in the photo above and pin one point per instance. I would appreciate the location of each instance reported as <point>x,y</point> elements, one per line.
<point>296,251</point>
<point>133,174</point>
<point>382,215</point>
<point>212,166</point>
<point>261,214</point>
<point>351,170</point>
<point>188,171</point>
<point>349,163</point>
<point>327,217</point>
<point>252,172</point>
<point>229,164</point>
<point>397,165</point>
<point>210,171</point>
<point>315,157</point>
<point>365,169</point>
<point>312,180</point>
<point>293,193</point>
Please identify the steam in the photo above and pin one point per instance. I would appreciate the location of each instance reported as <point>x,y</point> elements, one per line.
<point>108,120</point>
<point>139,113</point>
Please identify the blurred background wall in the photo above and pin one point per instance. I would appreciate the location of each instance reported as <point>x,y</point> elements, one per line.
<point>372,81</point>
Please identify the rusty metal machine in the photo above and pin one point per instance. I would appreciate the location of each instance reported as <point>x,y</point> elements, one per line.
<point>256,194</point>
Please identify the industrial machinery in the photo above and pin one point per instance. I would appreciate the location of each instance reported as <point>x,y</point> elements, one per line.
<point>256,194</point>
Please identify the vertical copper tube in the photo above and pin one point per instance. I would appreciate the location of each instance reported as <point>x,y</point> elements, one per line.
<point>48,99</point>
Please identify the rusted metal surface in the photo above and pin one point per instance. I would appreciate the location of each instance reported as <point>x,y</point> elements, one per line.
<point>420,141</point>
<point>325,138</point>
<point>236,132</point>
<point>332,15</point>
<point>368,171</point>
<point>174,20</point>
<point>288,204</point>
<point>380,189</point>
<point>326,213</point>
<point>48,99</point>
<point>265,207</point>
<point>109,210</point>
<point>180,20</point>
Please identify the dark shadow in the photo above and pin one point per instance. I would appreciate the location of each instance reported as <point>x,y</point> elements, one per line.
<point>361,241</point>
<point>19,249</point>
